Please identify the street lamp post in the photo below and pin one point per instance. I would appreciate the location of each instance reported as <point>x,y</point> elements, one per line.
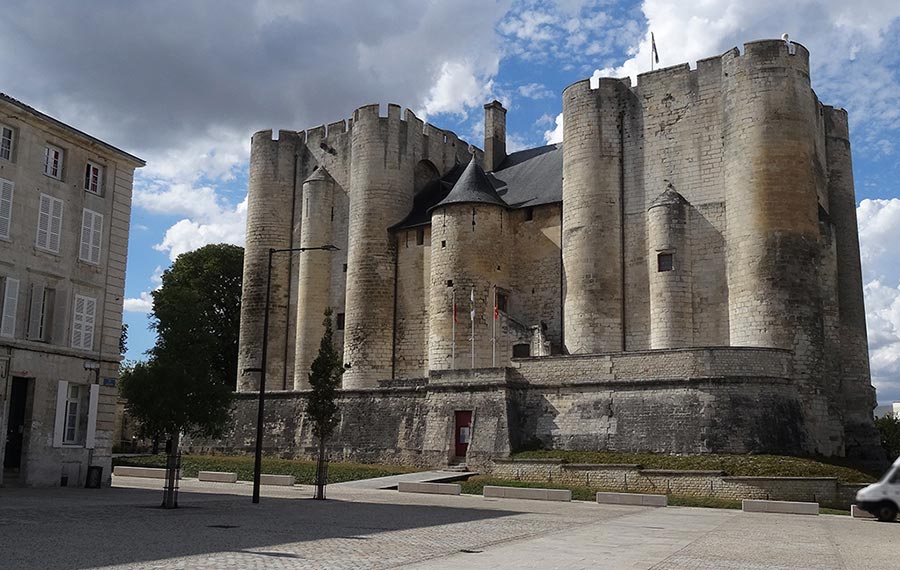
<point>257,462</point>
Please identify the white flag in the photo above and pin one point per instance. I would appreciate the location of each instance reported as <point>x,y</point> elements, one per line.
<point>472,298</point>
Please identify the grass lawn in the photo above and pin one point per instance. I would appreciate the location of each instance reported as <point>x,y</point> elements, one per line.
<point>740,465</point>
<point>304,471</point>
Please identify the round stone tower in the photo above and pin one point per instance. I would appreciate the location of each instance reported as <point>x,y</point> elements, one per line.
<point>382,183</point>
<point>592,215</point>
<point>270,196</point>
<point>771,173</point>
<point>669,271</point>
<point>469,260</point>
<point>314,279</point>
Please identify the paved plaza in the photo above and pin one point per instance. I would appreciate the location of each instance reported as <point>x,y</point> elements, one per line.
<point>218,527</point>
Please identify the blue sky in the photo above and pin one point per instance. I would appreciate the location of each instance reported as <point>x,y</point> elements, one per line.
<point>185,93</point>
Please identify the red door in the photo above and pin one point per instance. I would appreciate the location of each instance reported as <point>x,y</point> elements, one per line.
<point>463,432</point>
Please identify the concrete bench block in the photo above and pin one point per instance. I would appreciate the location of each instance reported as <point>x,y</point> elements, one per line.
<point>632,499</point>
<point>282,480</point>
<point>217,477</point>
<point>429,488</point>
<point>858,513</point>
<point>149,472</point>
<point>782,507</point>
<point>491,491</point>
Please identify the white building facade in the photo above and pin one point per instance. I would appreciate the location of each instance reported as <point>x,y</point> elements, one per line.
<point>65,210</point>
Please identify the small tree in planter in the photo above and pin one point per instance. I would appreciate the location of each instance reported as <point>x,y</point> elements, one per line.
<point>321,407</point>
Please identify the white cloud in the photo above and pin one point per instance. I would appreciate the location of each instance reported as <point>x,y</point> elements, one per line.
<point>141,304</point>
<point>879,231</point>
<point>458,87</point>
<point>555,135</point>
<point>848,42</point>
<point>535,91</point>
<point>226,226</point>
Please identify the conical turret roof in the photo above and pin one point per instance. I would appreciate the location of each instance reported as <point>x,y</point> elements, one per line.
<point>669,197</point>
<point>473,187</point>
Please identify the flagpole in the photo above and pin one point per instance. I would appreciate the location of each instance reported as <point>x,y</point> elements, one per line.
<point>652,49</point>
<point>453,336</point>
<point>494,330</point>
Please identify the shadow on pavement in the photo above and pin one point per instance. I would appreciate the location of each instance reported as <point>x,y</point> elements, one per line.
<point>52,529</point>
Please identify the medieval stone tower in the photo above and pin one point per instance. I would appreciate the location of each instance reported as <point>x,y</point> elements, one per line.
<point>681,274</point>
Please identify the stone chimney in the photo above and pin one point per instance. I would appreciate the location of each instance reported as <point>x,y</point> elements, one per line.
<point>494,135</point>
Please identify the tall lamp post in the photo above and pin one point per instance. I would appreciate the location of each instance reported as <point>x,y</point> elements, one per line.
<point>257,463</point>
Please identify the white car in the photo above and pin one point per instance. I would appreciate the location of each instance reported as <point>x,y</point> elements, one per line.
<point>882,499</point>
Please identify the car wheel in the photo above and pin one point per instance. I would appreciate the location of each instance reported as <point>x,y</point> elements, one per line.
<point>886,512</point>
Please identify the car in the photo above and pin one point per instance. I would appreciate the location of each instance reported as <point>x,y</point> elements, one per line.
<point>882,499</point>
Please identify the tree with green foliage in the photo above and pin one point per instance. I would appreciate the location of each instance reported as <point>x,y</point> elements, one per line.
<point>197,310</point>
<point>187,384</point>
<point>321,406</point>
<point>889,428</point>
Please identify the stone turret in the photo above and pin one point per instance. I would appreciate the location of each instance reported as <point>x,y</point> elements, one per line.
<point>856,388</point>
<point>669,271</point>
<point>273,167</point>
<point>771,178</point>
<point>470,234</point>
<point>314,279</point>
<point>592,215</point>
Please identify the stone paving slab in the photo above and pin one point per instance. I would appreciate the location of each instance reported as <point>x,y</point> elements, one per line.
<point>218,527</point>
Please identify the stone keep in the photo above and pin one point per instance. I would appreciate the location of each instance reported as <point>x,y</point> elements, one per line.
<point>681,274</point>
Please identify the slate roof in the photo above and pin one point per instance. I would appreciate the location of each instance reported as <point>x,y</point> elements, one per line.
<point>473,187</point>
<point>526,178</point>
<point>669,197</point>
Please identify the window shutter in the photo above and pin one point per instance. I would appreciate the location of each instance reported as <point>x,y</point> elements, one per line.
<point>10,305</point>
<point>96,237</point>
<point>43,227</point>
<point>6,193</point>
<point>55,224</point>
<point>92,417</point>
<point>62,391</point>
<point>36,313</point>
<point>78,322</point>
<point>90,307</point>
<point>87,220</point>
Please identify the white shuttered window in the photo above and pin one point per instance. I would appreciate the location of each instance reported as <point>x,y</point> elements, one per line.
<point>49,223</point>
<point>6,196</point>
<point>91,234</point>
<point>10,305</point>
<point>83,322</point>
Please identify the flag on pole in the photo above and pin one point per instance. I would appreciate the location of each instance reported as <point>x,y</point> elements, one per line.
<point>455,320</point>
<point>655,53</point>
<point>472,298</point>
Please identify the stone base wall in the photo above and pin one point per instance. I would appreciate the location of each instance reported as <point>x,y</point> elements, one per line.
<point>674,401</point>
<point>827,491</point>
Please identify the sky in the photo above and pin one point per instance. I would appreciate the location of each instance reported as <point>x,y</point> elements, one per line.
<point>183,84</point>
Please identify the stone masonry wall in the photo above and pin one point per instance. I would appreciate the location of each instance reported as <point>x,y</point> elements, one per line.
<point>827,491</point>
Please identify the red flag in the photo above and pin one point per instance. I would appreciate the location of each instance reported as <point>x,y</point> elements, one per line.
<point>496,312</point>
<point>454,313</point>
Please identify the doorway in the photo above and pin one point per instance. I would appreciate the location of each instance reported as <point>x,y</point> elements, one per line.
<point>15,427</point>
<point>462,433</point>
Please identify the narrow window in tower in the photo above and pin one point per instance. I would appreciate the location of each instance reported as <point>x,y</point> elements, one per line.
<point>529,214</point>
<point>449,282</point>
<point>420,236</point>
<point>443,243</point>
<point>339,325</point>
<point>473,219</point>
<point>332,214</point>
<point>665,262</point>
<point>345,268</point>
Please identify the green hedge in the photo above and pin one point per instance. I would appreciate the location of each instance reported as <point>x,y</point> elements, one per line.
<point>303,471</point>
<point>739,465</point>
